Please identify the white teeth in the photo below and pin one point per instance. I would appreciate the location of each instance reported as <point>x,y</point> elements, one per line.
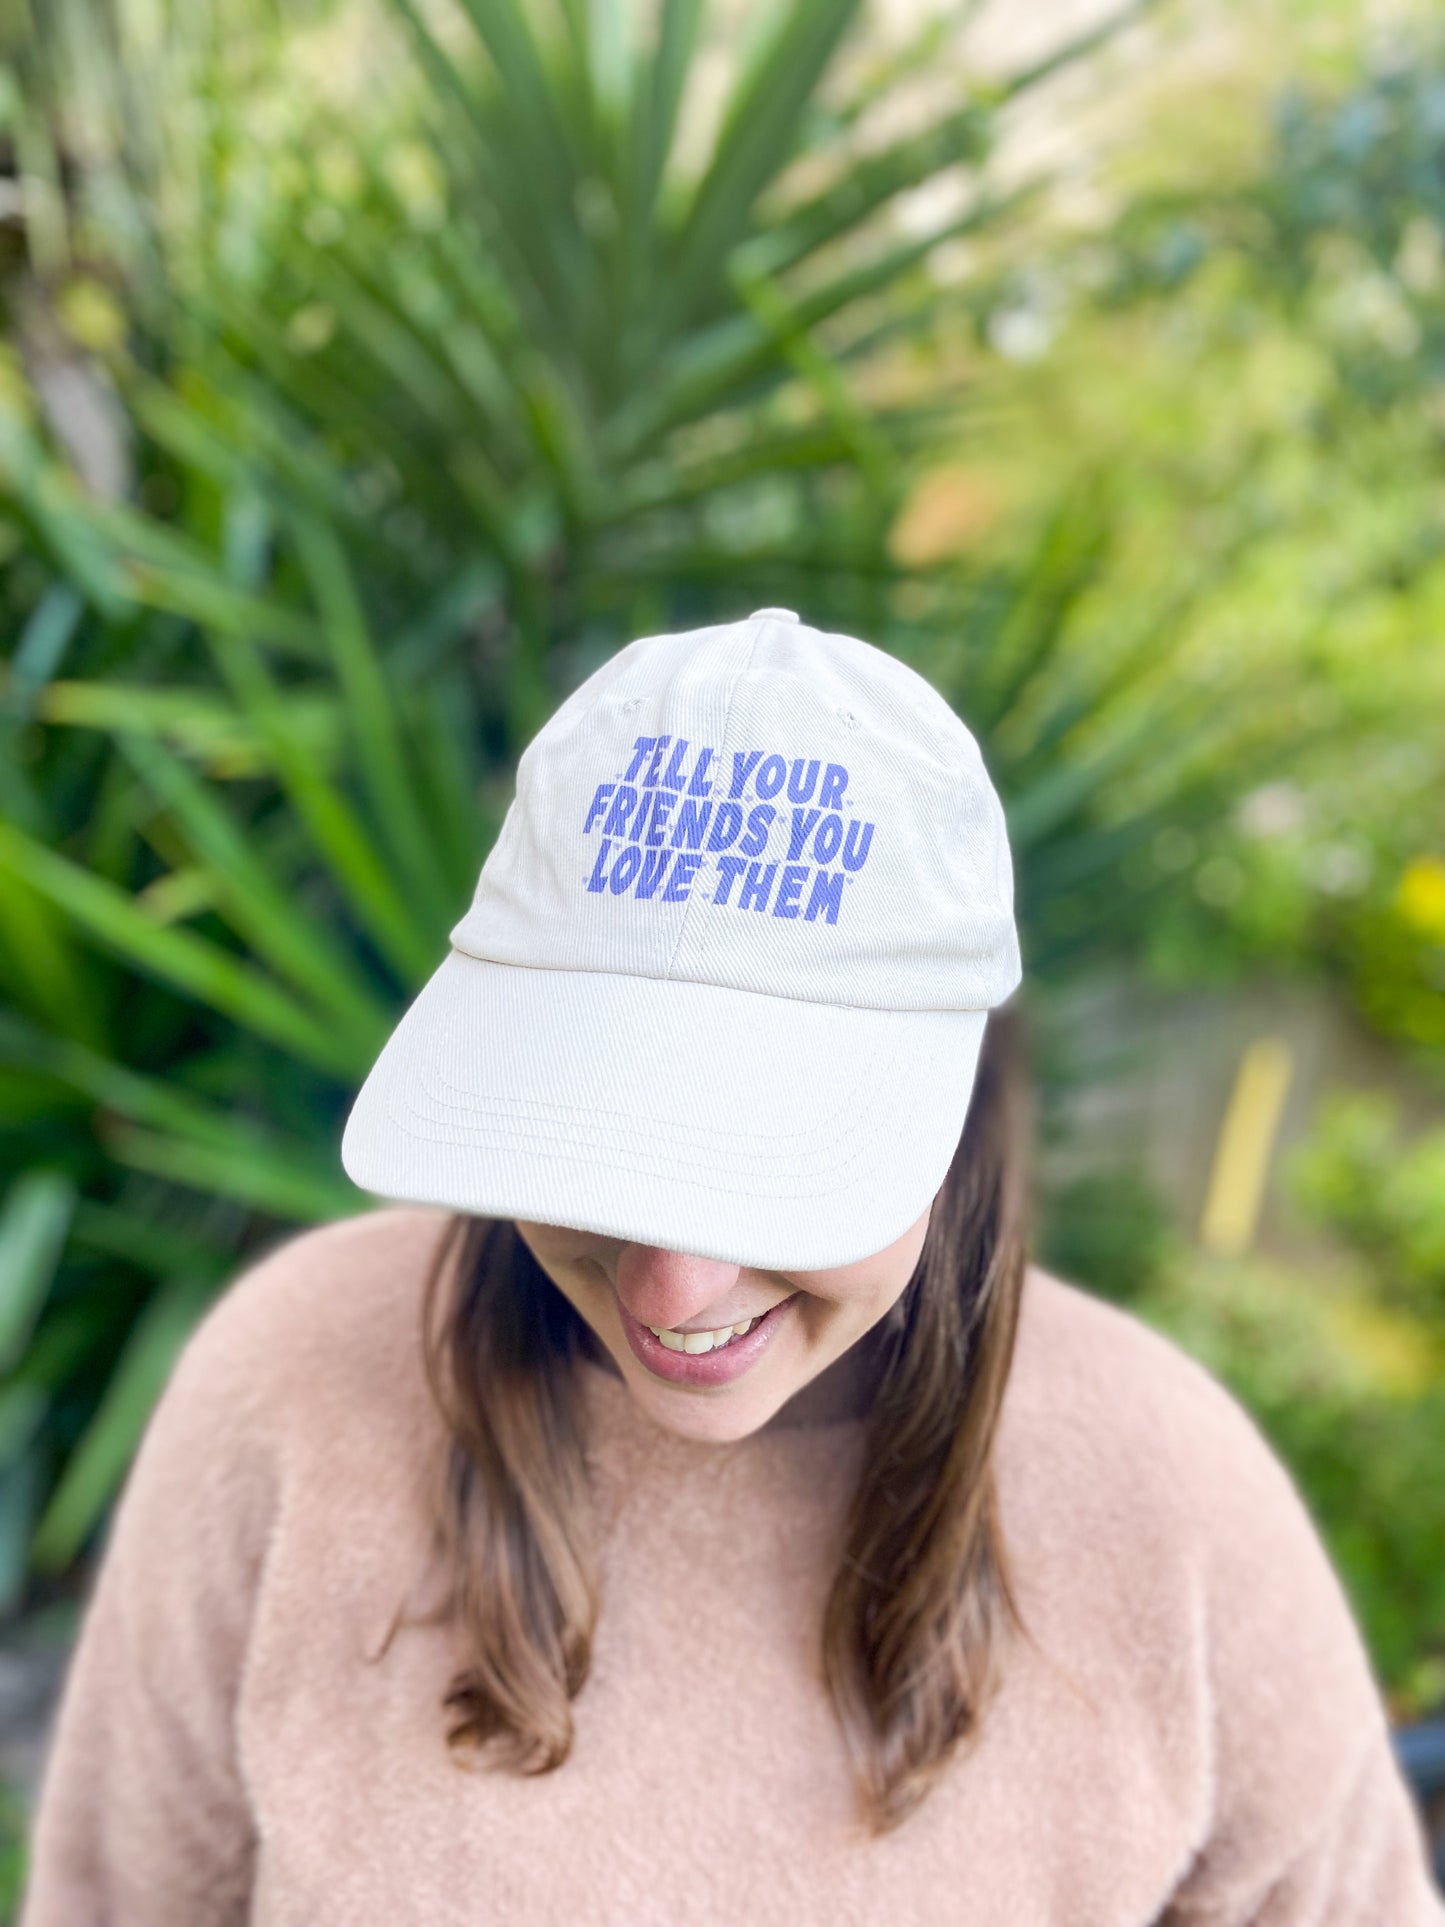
<point>700,1341</point>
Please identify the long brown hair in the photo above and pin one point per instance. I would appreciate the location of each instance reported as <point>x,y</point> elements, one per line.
<point>921,1601</point>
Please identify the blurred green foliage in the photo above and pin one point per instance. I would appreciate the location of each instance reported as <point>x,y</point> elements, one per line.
<point>1109,1229</point>
<point>1383,1195</point>
<point>1250,351</point>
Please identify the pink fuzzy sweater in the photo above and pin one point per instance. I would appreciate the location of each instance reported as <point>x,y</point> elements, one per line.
<point>1200,1741</point>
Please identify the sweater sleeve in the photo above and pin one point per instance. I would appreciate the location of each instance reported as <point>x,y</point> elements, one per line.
<point>1313,1823</point>
<point>142,1818</point>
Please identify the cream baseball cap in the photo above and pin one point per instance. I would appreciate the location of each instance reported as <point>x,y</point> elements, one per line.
<point>723,980</point>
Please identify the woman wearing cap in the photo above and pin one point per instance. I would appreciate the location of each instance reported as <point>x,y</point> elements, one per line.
<point>682,1502</point>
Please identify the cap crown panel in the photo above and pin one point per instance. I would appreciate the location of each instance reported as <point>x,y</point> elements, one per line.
<point>760,805</point>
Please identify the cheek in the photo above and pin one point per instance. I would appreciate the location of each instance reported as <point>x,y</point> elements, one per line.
<point>575,1274</point>
<point>833,1323</point>
<point>582,1280</point>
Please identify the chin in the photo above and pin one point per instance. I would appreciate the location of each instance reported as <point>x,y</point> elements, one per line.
<point>719,1417</point>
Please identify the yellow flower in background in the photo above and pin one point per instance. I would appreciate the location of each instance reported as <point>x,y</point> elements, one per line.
<point>1394,1354</point>
<point>1420,897</point>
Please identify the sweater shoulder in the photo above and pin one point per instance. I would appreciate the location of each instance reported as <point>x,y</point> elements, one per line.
<point>1118,1444</point>
<point>1110,1387</point>
<point>326,1316</point>
<point>1116,1376</point>
<point>1137,1474</point>
<point>1151,1445</point>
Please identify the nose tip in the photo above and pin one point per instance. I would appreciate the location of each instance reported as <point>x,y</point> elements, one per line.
<point>670,1287</point>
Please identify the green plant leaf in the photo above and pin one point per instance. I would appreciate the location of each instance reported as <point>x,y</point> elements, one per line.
<point>267,1175</point>
<point>376,897</point>
<point>258,904</point>
<point>370,707</point>
<point>34,1220</point>
<point>187,962</point>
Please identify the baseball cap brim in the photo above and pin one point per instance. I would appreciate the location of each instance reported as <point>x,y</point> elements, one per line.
<point>769,1131</point>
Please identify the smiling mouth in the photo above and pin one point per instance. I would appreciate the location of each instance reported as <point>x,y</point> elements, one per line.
<point>705,1341</point>
<point>697,1358</point>
<point>714,1340</point>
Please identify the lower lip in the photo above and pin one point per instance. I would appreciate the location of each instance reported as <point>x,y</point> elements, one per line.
<point>717,1367</point>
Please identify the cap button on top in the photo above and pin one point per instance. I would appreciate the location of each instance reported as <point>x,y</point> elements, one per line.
<point>784,615</point>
